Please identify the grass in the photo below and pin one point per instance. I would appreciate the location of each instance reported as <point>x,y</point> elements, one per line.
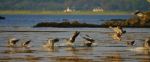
<point>28,12</point>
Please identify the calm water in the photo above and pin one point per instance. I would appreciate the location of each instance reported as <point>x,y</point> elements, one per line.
<point>30,20</point>
<point>107,49</point>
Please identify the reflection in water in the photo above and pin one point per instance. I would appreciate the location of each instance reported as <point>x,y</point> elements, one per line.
<point>71,59</point>
<point>31,58</point>
<point>145,56</point>
<point>79,50</point>
<point>17,54</point>
<point>28,58</point>
<point>113,57</point>
<point>17,50</point>
<point>144,60</point>
<point>106,51</point>
<point>10,50</point>
<point>50,49</point>
<point>73,55</point>
<point>71,48</point>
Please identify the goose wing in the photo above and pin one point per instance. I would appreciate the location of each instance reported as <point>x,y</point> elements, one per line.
<point>55,40</point>
<point>75,34</point>
<point>88,38</point>
<point>15,41</point>
<point>27,42</point>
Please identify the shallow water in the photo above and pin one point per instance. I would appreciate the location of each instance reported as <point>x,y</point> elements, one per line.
<point>107,49</point>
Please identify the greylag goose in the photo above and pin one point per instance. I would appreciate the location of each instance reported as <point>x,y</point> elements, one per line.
<point>50,43</point>
<point>71,40</point>
<point>26,44</point>
<point>89,41</point>
<point>12,42</point>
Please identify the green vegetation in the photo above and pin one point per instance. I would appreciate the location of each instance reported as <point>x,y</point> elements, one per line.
<point>65,24</point>
<point>82,7</point>
<point>112,5</point>
<point>63,13</point>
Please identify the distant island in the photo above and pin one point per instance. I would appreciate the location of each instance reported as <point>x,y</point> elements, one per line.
<point>65,24</point>
<point>1,17</point>
<point>139,19</point>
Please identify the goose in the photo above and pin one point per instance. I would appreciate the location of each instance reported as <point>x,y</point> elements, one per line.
<point>118,30</point>
<point>89,41</point>
<point>139,13</point>
<point>147,43</point>
<point>12,42</point>
<point>50,43</point>
<point>146,46</point>
<point>26,44</point>
<point>130,43</point>
<point>116,36</point>
<point>71,40</point>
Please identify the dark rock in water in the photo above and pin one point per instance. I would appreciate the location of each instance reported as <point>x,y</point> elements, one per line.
<point>139,19</point>
<point>65,24</point>
<point>2,17</point>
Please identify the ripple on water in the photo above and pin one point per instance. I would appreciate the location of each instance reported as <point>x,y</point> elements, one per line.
<point>107,49</point>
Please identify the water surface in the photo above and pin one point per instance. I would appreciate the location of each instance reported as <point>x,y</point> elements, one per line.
<point>30,20</point>
<point>107,49</point>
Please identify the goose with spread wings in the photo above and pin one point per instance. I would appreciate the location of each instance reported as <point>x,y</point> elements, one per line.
<point>72,39</point>
<point>88,40</point>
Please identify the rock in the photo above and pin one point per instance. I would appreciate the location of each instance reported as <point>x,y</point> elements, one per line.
<point>1,17</point>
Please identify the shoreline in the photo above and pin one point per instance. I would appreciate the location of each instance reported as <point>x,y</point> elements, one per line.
<point>82,12</point>
<point>66,27</point>
<point>87,27</point>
